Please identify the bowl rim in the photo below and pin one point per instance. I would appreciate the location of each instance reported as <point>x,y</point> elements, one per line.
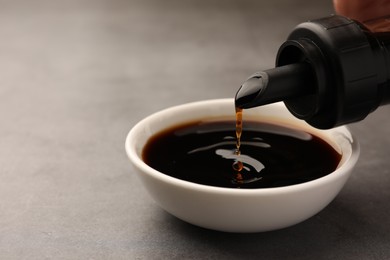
<point>130,147</point>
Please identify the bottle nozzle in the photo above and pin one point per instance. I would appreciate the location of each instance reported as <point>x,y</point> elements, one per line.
<point>278,84</point>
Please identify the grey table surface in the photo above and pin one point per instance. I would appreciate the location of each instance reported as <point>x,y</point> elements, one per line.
<point>76,75</point>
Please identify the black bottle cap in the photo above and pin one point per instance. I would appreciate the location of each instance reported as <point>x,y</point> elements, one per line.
<point>345,71</point>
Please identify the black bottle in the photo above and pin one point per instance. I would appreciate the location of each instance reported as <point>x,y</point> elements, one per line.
<point>329,72</point>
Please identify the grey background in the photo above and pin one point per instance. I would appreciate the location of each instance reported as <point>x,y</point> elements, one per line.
<point>75,76</point>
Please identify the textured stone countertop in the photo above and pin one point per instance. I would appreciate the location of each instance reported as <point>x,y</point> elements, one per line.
<point>75,76</point>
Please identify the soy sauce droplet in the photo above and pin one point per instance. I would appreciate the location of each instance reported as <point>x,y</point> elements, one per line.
<point>238,166</point>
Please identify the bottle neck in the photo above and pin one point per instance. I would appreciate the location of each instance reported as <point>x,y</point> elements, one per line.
<point>378,34</point>
<point>378,25</point>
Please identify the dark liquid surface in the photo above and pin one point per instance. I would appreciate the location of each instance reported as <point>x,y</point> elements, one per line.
<point>271,155</point>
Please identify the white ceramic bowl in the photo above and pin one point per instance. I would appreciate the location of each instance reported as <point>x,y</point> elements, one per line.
<point>239,210</point>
